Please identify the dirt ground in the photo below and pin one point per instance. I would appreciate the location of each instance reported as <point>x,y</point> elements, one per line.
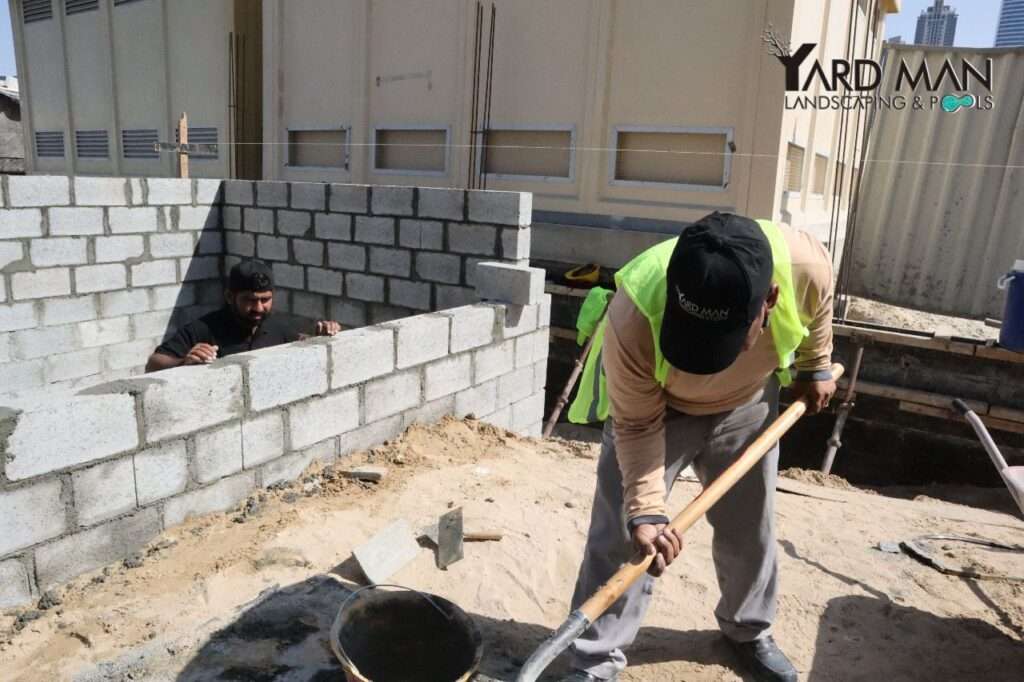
<point>250,595</point>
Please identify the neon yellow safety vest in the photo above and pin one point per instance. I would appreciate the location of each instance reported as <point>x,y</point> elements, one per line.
<point>643,280</point>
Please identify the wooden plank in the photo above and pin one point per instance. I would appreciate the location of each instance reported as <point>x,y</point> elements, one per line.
<point>1007,413</point>
<point>996,353</point>
<point>912,395</point>
<point>183,141</point>
<point>941,413</point>
<point>560,333</point>
<point>931,343</point>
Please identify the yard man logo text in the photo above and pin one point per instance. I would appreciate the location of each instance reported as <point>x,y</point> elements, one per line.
<point>955,85</point>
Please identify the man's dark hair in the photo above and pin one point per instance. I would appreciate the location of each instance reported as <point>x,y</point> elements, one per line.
<point>251,275</point>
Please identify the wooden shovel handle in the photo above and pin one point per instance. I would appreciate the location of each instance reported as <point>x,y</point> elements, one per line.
<point>609,593</point>
<point>482,537</point>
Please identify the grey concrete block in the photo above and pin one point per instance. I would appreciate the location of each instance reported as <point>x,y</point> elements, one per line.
<point>540,375</point>
<point>136,191</point>
<point>348,313</point>
<point>381,313</point>
<point>218,453</point>
<point>472,326</point>
<point>308,252</point>
<point>74,365</point>
<point>478,400</point>
<point>238,192</point>
<point>161,472</point>
<point>259,220</point>
<point>196,218</point>
<point>501,418</point>
<point>501,208</point>
<point>392,200</point>
<point>447,376</point>
<point>173,296</point>
<point>519,319</point>
<point>272,194</point>
<point>325,281</point>
<point>38,190</point>
<point>541,344</point>
<point>5,348</point>
<point>421,339</point>
<point>174,245</point>
<point>15,586</point>
<point>285,374</point>
<point>309,195</point>
<point>395,262</point>
<point>289,276</point>
<point>91,278</point>
<point>309,306</point>
<point>100,191</point>
<point>439,267</point>
<point>544,312</point>
<point>208,191</point>
<point>57,311</point>
<point>104,332</point>
<point>240,244</point>
<point>291,467</point>
<point>231,217</point>
<point>169,191</point>
<point>431,412</point>
<point>155,325</point>
<point>364,287</point>
<point>469,238</point>
<point>132,220</point>
<point>515,243</point>
<point>361,354</point>
<point>470,268</point>
<point>36,343</point>
<point>294,223</point>
<point>262,438</point>
<point>118,249</point>
<point>370,436</point>
<point>62,560</point>
<point>211,243</point>
<point>508,283</point>
<point>272,248</point>
<point>415,295</point>
<point>320,418</point>
<point>187,399</point>
<point>494,361</point>
<point>41,284</point>
<point>30,515</point>
<point>12,252</point>
<point>374,230</point>
<point>3,290</point>
<point>524,350</point>
<point>129,355</point>
<point>349,257</point>
<point>104,491</point>
<point>454,297</point>
<point>515,386</point>
<point>421,235</point>
<point>17,316</point>
<point>449,204</point>
<point>333,226</point>
<point>53,251</point>
<point>221,496</point>
<point>391,395</point>
<point>15,224</point>
<point>22,376</point>
<point>527,412</point>
<point>350,199</point>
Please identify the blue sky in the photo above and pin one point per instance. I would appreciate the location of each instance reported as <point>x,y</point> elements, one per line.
<point>975,28</point>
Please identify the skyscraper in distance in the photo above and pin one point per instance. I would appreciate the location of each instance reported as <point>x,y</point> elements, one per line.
<point>1010,30</point>
<point>936,25</point>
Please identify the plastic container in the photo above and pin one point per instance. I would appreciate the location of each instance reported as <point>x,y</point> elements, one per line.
<point>1012,334</point>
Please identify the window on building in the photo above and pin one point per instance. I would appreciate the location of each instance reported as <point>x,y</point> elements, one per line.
<point>794,168</point>
<point>417,150</point>
<point>92,144</point>
<point>36,10</point>
<point>49,144</point>
<point>140,143</point>
<point>318,148</point>
<point>685,157</point>
<point>820,172</point>
<point>528,153</point>
<point>79,6</point>
<point>200,135</point>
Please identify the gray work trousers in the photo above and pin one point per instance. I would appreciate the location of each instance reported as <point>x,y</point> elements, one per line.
<point>743,522</point>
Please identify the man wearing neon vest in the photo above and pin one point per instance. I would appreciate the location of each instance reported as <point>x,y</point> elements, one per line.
<point>698,338</point>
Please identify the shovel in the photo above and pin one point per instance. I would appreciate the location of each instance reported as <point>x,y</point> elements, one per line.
<point>582,618</point>
<point>1013,477</point>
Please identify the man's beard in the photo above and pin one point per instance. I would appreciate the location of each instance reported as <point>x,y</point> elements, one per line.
<point>252,319</point>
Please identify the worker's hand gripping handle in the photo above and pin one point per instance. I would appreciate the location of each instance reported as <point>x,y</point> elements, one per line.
<point>640,562</point>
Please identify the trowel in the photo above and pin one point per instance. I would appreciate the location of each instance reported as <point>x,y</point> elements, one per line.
<point>1013,477</point>
<point>448,535</point>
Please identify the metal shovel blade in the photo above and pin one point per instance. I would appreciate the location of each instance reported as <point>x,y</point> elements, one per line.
<point>1014,479</point>
<point>449,538</point>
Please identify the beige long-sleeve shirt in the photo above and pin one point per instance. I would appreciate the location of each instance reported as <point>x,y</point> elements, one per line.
<point>638,401</point>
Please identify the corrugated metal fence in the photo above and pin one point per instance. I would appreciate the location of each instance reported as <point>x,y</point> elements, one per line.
<point>941,211</point>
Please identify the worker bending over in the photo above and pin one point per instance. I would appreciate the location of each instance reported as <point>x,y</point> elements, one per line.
<point>698,338</point>
<point>244,323</point>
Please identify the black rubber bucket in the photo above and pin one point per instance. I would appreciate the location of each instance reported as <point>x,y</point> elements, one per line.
<point>407,636</point>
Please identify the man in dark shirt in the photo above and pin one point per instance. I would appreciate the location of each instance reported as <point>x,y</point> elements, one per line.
<point>243,324</point>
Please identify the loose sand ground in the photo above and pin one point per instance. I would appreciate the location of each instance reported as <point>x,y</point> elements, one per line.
<point>252,600</point>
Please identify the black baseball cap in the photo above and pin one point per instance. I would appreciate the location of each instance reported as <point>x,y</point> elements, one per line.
<point>251,275</point>
<point>718,279</point>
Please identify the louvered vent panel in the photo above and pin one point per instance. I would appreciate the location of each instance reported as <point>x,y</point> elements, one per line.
<point>200,136</point>
<point>124,2</point>
<point>36,10</point>
<point>92,144</point>
<point>49,144</point>
<point>79,6</point>
<point>139,144</point>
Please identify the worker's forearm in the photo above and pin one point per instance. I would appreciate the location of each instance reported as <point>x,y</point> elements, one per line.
<point>159,361</point>
<point>640,449</point>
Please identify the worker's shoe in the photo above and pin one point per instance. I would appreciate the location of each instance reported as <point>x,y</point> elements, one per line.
<point>584,676</point>
<point>764,660</point>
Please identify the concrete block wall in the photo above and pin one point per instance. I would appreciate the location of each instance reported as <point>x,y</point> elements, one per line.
<point>95,271</point>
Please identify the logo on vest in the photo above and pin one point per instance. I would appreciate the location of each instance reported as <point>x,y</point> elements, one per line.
<point>701,312</point>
